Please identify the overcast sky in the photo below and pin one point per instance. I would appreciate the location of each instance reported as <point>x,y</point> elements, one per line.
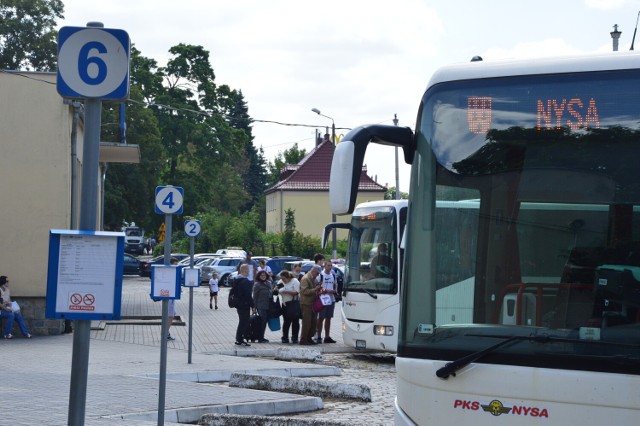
<point>357,61</point>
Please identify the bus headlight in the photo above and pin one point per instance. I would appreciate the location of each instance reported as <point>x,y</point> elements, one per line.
<point>344,326</point>
<point>383,330</point>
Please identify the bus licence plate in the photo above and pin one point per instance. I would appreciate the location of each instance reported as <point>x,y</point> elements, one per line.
<point>361,344</point>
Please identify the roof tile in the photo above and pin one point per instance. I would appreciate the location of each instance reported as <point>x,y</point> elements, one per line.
<point>313,171</point>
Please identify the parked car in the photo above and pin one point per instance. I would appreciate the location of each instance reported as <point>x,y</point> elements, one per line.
<point>209,255</point>
<point>198,263</point>
<point>145,265</point>
<point>206,270</point>
<point>223,266</point>
<point>232,252</point>
<point>276,263</point>
<point>197,259</point>
<point>131,265</point>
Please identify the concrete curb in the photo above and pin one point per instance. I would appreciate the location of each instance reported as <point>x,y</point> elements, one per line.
<point>231,420</point>
<point>191,415</point>
<point>301,386</point>
<point>225,375</point>
<point>298,354</point>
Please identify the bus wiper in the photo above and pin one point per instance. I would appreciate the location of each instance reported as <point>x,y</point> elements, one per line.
<point>450,368</point>
<point>375,296</point>
<point>354,286</point>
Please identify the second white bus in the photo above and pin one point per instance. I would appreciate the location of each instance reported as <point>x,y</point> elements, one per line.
<point>371,290</point>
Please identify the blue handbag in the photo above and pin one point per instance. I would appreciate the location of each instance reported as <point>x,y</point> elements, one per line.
<point>274,323</point>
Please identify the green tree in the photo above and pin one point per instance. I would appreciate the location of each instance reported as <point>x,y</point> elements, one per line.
<point>205,153</point>
<point>145,76</point>
<point>289,230</point>
<point>391,194</point>
<point>28,35</point>
<point>130,188</point>
<point>292,155</point>
<point>235,109</point>
<point>256,174</point>
<point>195,135</point>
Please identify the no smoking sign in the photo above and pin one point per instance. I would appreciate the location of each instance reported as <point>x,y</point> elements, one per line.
<point>82,302</point>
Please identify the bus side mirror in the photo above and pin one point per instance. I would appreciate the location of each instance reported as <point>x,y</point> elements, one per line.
<point>346,167</point>
<point>330,227</point>
<point>341,178</point>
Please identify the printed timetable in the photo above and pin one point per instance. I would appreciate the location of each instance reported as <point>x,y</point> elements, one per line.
<point>86,259</point>
<point>85,274</point>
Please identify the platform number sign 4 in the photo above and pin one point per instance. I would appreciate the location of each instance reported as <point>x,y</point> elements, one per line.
<point>169,199</point>
<point>93,63</point>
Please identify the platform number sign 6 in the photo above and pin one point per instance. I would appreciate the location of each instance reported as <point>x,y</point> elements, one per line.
<point>192,228</point>
<point>169,199</point>
<point>93,63</point>
<point>89,59</point>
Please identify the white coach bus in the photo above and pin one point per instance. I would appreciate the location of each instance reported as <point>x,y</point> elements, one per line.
<point>548,327</point>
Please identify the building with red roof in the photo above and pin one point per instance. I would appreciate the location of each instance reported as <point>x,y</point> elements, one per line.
<point>304,188</point>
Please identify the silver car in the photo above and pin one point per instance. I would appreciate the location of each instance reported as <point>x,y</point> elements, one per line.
<point>198,263</point>
<point>223,266</point>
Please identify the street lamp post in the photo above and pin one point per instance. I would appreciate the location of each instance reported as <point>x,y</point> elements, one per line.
<point>333,124</point>
<point>395,123</point>
<point>333,216</point>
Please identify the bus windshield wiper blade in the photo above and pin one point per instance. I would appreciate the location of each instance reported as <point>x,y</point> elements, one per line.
<point>375,296</point>
<point>358,286</point>
<point>451,367</point>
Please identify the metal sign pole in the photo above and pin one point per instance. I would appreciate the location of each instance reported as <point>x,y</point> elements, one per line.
<point>192,244</point>
<point>165,326</point>
<point>88,217</point>
<point>82,52</point>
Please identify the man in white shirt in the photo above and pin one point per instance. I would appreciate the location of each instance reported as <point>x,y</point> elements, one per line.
<point>328,280</point>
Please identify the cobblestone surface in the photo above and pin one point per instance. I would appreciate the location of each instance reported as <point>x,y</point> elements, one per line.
<point>214,332</point>
<point>374,370</point>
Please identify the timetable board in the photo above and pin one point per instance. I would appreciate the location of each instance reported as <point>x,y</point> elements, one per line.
<point>84,279</point>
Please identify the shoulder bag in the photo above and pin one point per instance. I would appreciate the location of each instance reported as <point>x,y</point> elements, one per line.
<point>275,309</point>
<point>292,311</point>
<point>320,302</point>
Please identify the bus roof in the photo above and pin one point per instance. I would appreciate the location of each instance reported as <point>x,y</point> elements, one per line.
<point>397,204</point>
<point>539,66</point>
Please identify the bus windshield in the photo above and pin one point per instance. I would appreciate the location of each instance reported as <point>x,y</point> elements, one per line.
<point>372,251</point>
<point>541,235</point>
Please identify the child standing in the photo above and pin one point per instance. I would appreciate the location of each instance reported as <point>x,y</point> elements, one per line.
<point>213,290</point>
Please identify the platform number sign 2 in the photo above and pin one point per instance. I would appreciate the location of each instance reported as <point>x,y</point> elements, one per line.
<point>93,63</point>
<point>192,228</point>
<point>169,199</point>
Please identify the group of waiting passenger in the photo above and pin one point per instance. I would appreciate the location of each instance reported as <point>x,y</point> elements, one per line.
<point>255,287</point>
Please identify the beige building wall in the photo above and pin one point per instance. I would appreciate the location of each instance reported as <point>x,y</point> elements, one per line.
<point>311,209</point>
<point>35,170</point>
<point>273,221</point>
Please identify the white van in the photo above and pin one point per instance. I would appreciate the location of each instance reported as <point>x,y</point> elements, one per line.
<point>232,253</point>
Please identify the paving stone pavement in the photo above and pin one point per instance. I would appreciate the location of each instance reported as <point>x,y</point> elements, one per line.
<point>376,371</point>
<point>124,366</point>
